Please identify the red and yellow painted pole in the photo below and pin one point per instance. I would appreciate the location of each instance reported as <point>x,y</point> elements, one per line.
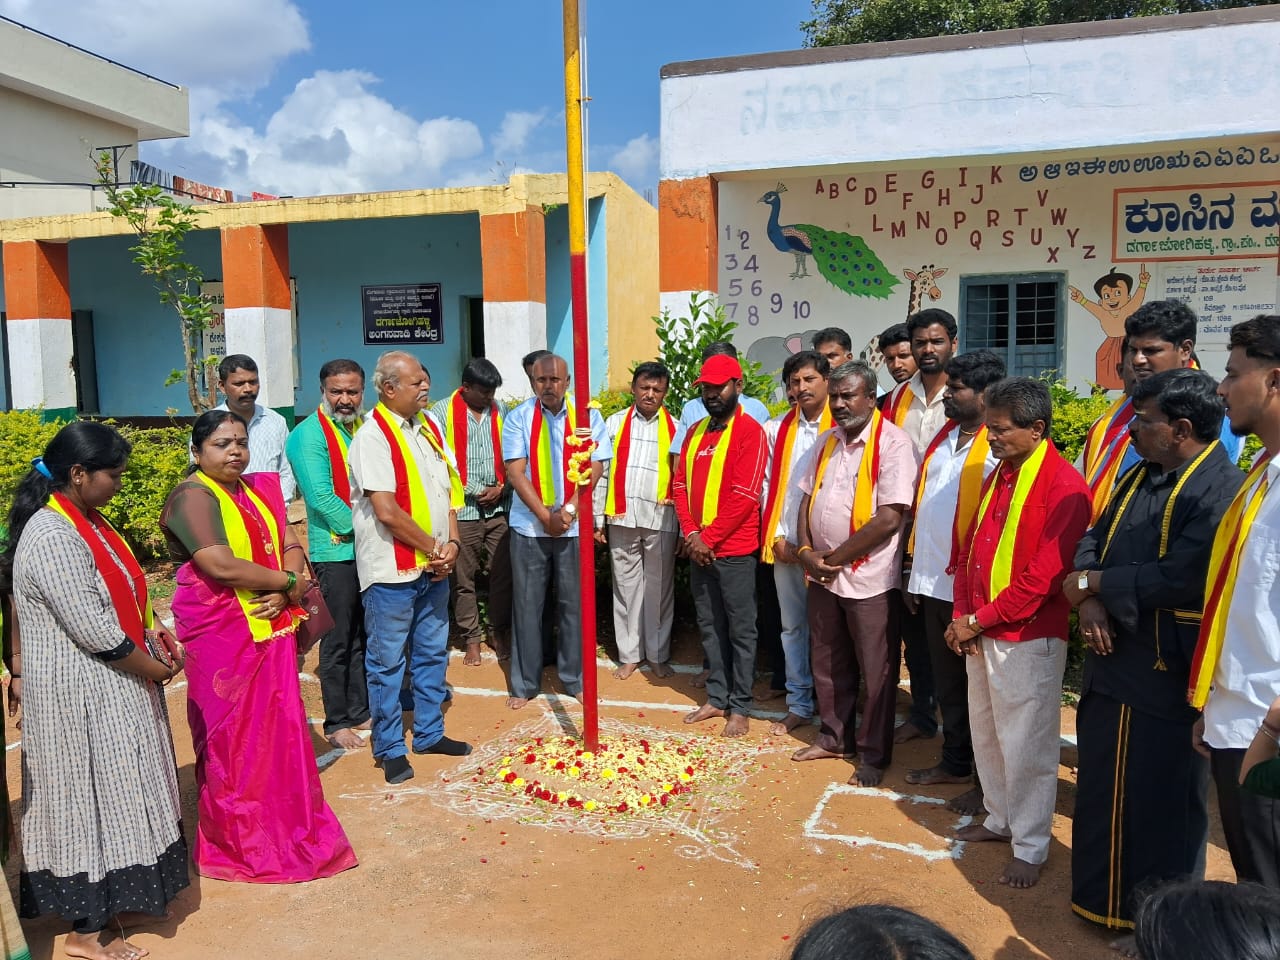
<point>575,169</point>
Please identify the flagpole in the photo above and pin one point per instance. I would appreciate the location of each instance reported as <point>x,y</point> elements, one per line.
<point>575,170</point>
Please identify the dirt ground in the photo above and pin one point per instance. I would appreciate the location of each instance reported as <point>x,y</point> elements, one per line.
<point>446,873</point>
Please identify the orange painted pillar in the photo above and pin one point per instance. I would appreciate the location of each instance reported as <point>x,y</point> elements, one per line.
<point>513,253</point>
<point>688,249</point>
<point>37,308</point>
<point>259,316</point>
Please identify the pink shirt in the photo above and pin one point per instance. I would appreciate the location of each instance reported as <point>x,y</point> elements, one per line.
<point>832,505</point>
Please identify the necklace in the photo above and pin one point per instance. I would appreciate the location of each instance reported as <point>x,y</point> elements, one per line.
<point>968,433</point>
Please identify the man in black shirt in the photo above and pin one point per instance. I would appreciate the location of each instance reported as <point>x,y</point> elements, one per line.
<point>1138,584</point>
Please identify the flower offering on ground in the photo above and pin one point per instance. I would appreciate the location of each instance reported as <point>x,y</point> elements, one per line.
<point>628,775</point>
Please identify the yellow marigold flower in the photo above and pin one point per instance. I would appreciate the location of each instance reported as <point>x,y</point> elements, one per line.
<point>503,772</point>
<point>607,774</point>
<point>668,787</point>
<point>645,800</point>
<point>685,778</point>
<point>589,805</point>
<point>562,796</point>
<point>587,754</point>
<point>518,782</point>
<point>575,771</point>
<point>505,761</point>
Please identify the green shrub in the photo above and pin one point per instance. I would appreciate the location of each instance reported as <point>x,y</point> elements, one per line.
<point>681,341</point>
<point>157,464</point>
<point>1073,414</point>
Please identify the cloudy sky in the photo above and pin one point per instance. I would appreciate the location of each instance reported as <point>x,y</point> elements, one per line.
<point>318,96</point>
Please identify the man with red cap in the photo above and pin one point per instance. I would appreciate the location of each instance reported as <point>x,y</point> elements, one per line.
<point>718,478</point>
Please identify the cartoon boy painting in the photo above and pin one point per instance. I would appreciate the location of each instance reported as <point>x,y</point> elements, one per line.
<point>1115,304</point>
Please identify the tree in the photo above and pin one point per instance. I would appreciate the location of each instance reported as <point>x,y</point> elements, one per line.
<point>848,21</point>
<point>681,341</point>
<point>161,224</point>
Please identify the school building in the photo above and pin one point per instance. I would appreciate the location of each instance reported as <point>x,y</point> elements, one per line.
<point>446,274</point>
<point>1038,184</point>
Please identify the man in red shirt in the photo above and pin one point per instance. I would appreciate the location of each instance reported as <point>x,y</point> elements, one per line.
<point>718,478</point>
<point>1011,621</point>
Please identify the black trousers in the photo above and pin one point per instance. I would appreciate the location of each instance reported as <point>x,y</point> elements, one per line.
<point>950,688</point>
<point>341,671</point>
<point>724,598</point>
<point>1141,816</point>
<point>1250,821</point>
<point>915,651</point>
<point>536,563</point>
<point>769,625</point>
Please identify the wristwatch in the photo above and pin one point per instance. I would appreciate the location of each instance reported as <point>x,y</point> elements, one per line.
<point>972,621</point>
<point>570,509</point>
<point>1082,582</point>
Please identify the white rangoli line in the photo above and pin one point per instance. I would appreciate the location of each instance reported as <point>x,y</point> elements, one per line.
<point>954,850</point>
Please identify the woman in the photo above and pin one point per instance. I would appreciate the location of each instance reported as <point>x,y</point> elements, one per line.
<point>101,824</point>
<point>263,818</point>
<point>13,944</point>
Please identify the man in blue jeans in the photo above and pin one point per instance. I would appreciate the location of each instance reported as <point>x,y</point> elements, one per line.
<point>404,498</point>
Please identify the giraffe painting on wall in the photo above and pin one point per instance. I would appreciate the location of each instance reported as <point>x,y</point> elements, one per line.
<point>923,282</point>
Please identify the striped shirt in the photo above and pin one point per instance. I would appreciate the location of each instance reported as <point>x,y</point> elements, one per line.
<point>643,509</point>
<point>481,472</point>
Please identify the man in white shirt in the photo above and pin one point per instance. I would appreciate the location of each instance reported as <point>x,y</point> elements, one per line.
<point>1241,677</point>
<point>404,517</point>
<point>238,381</point>
<point>635,517</point>
<point>790,437</point>
<point>916,406</point>
<point>956,463</point>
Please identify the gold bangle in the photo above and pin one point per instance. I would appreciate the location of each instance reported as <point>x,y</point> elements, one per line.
<point>801,549</point>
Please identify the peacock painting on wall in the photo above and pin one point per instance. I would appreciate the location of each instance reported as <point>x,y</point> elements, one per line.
<point>843,260</point>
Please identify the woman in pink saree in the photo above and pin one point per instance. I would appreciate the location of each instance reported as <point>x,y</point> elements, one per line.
<point>262,813</point>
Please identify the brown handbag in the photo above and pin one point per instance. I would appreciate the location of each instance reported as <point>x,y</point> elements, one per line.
<point>319,620</point>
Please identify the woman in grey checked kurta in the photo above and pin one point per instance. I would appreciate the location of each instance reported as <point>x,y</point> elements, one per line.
<point>100,825</point>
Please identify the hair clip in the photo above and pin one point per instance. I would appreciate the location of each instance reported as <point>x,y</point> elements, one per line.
<point>39,465</point>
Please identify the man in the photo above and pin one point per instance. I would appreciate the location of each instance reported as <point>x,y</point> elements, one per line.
<point>473,430</point>
<point>1011,621</point>
<point>955,466</point>
<point>634,516</point>
<point>317,451</point>
<point>544,527</point>
<point>834,344</point>
<point>405,496</point>
<point>916,406</point>
<point>529,360</point>
<point>1159,336</point>
<point>717,498</point>
<point>789,438</point>
<point>695,410</point>
<point>238,381</point>
<point>857,483</point>
<point>895,345</point>
<point>1235,667</point>
<point>1140,816</point>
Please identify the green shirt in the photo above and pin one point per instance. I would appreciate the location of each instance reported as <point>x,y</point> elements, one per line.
<point>329,536</point>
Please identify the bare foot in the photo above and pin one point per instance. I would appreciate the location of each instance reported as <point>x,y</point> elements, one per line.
<point>86,947</point>
<point>780,728</point>
<point>738,726</point>
<point>932,775</point>
<point>704,712</point>
<point>1020,875</point>
<point>867,776</point>
<point>625,670</point>
<point>977,833</point>
<point>908,731</point>
<point>1126,946</point>
<point>816,752</point>
<point>517,703</point>
<point>661,670</point>
<point>472,658</point>
<point>578,696</point>
<point>700,680</point>
<point>968,804</point>
<point>346,739</point>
